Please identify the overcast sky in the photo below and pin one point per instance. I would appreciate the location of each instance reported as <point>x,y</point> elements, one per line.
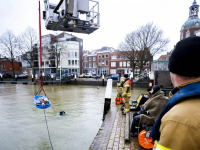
<point>117,18</point>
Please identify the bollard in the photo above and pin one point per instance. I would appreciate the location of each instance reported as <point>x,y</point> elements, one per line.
<point>32,78</point>
<point>103,80</point>
<point>52,79</point>
<point>15,77</point>
<point>108,96</point>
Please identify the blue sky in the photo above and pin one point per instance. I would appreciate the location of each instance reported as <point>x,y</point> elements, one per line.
<point>117,18</point>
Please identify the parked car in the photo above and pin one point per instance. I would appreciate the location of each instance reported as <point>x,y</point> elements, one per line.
<point>114,77</point>
<point>96,76</point>
<point>7,75</point>
<point>81,75</point>
<point>46,76</point>
<point>66,76</point>
<point>88,75</point>
<point>22,76</point>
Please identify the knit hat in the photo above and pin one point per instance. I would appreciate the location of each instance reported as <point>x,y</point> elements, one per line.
<point>155,88</point>
<point>119,73</point>
<point>185,57</point>
<point>126,75</point>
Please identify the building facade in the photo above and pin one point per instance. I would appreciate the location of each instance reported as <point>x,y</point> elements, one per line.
<point>60,53</point>
<point>107,61</point>
<point>6,67</point>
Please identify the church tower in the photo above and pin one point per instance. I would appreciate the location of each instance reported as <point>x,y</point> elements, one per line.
<point>192,25</point>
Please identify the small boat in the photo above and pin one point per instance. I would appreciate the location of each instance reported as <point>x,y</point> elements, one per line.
<point>41,102</point>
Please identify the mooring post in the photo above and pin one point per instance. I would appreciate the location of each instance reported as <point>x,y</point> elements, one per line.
<point>103,80</point>
<point>32,78</point>
<point>108,96</point>
<point>15,77</point>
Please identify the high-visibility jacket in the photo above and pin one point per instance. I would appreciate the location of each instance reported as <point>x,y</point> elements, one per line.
<point>126,90</point>
<point>120,82</point>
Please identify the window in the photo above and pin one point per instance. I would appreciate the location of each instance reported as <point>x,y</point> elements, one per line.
<point>146,64</point>
<point>90,64</point>
<point>106,55</point>
<point>90,58</point>
<point>94,58</point>
<point>99,63</point>
<point>120,64</point>
<point>86,65</point>
<point>99,56</point>
<point>76,54</point>
<point>113,57</point>
<point>112,71</point>
<point>128,63</point>
<point>102,56</point>
<point>72,54</point>
<point>94,64</point>
<point>106,62</point>
<point>69,62</point>
<point>124,64</point>
<point>187,33</point>
<point>137,71</point>
<point>76,63</point>
<point>113,64</point>
<point>68,54</point>
<point>102,62</point>
<point>85,58</point>
<point>72,62</point>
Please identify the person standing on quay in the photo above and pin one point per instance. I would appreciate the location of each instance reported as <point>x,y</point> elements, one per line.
<point>119,87</point>
<point>126,93</point>
<point>178,126</point>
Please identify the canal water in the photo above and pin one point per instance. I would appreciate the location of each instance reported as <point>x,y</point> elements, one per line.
<point>23,127</point>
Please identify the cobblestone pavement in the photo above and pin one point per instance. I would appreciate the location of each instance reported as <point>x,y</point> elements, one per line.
<point>111,134</point>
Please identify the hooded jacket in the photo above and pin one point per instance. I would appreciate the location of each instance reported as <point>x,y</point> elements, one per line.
<point>154,106</point>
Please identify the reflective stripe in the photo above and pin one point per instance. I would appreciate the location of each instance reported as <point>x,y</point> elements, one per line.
<point>160,147</point>
<point>127,86</point>
<point>119,87</point>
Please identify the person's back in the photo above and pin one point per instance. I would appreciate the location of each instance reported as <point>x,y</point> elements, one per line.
<point>178,126</point>
<point>182,123</point>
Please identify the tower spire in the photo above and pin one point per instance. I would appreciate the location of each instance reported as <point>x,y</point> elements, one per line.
<point>194,10</point>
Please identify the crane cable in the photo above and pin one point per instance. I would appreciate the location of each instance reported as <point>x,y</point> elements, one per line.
<point>41,73</point>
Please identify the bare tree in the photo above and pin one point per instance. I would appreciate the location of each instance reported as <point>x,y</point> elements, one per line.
<point>142,44</point>
<point>8,43</point>
<point>27,43</point>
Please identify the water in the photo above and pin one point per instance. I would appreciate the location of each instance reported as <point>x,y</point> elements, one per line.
<point>23,127</point>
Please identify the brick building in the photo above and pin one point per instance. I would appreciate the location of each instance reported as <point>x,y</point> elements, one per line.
<point>108,62</point>
<point>6,66</point>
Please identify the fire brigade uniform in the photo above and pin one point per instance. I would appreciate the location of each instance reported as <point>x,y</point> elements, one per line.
<point>119,87</point>
<point>126,94</point>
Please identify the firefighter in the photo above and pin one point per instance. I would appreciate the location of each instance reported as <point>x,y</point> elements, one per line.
<point>126,93</point>
<point>119,87</point>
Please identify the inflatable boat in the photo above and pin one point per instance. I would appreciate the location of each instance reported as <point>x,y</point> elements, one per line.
<point>42,102</point>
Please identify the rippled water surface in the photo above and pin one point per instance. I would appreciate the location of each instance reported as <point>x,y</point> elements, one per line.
<point>23,127</point>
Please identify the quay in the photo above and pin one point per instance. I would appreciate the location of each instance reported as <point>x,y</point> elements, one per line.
<point>111,135</point>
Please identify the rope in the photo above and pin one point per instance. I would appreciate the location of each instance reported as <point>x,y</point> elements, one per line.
<point>48,130</point>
